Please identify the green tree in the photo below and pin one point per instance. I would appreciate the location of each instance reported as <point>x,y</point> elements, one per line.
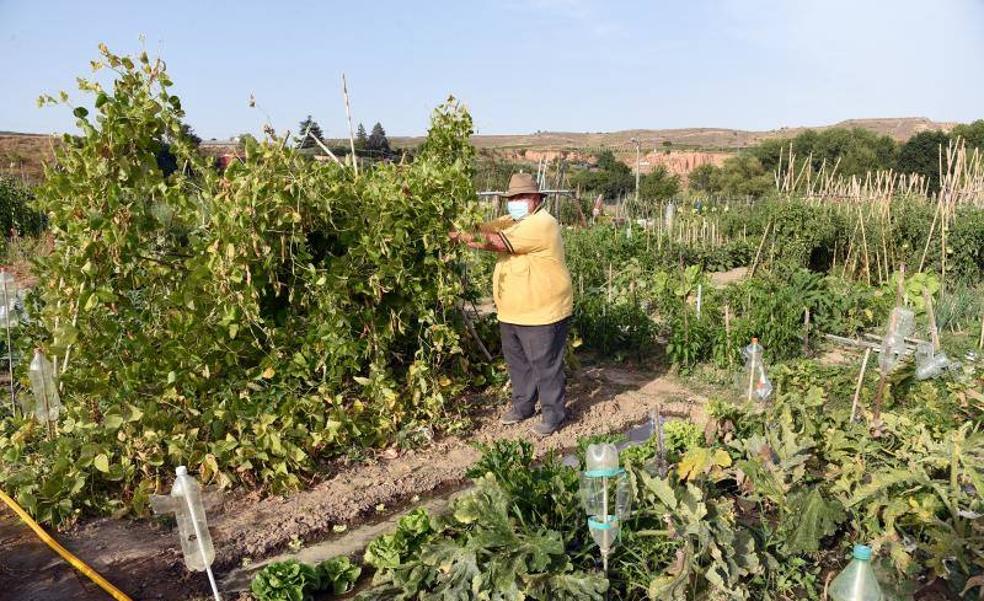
<point>744,175</point>
<point>307,126</point>
<point>189,133</point>
<point>606,161</point>
<point>857,150</point>
<point>704,178</point>
<point>973,133</point>
<point>658,185</point>
<point>921,155</point>
<point>361,139</point>
<point>609,177</point>
<point>377,142</point>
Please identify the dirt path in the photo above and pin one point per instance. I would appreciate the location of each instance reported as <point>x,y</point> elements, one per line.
<point>142,559</point>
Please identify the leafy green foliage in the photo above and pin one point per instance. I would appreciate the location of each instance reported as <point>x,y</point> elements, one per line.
<point>920,155</point>
<point>482,550</point>
<point>752,507</point>
<point>972,133</point>
<point>339,575</point>
<point>286,581</point>
<point>740,176</point>
<point>16,214</point>
<point>245,324</point>
<point>294,581</point>
<point>855,151</point>
<point>609,177</point>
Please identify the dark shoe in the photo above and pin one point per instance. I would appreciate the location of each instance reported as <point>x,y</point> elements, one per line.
<point>513,417</point>
<point>543,429</point>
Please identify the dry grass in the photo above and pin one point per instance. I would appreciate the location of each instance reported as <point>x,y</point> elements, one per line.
<point>22,156</point>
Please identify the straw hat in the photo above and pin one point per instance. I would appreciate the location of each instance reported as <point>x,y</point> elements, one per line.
<point>521,183</point>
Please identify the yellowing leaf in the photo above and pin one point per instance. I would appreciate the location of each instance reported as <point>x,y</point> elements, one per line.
<point>268,373</point>
<point>101,462</point>
<point>699,461</point>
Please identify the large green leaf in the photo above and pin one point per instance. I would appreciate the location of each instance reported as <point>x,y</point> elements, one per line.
<point>810,517</point>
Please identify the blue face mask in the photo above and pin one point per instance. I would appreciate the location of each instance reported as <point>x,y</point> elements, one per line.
<point>518,209</point>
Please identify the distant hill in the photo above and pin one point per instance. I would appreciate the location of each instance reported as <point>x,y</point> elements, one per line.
<point>703,138</point>
<point>22,154</point>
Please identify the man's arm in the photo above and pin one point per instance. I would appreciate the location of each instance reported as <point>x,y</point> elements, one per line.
<point>490,241</point>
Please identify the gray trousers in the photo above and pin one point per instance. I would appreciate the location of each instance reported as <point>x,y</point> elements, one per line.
<point>535,356</point>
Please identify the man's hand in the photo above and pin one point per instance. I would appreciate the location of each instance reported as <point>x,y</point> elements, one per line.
<point>484,241</point>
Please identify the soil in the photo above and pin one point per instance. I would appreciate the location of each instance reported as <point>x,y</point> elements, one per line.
<point>721,279</point>
<point>142,558</point>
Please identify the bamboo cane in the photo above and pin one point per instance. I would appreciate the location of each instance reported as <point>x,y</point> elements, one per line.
<point>758,253</point>
<point>348,114</point>
<point>857,389</point>
<point>864,243</point>
<point>727,333</point>
<point>933,331</point>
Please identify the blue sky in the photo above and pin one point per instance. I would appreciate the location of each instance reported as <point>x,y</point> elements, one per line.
<point>519,65</point>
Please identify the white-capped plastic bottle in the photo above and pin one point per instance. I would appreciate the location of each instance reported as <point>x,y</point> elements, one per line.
<point>754,383</point>
<point>47,405</point>
<point>185,502</point>
<point>857,581</point>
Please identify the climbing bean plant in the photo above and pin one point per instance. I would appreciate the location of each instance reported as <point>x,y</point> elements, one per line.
<point>247,323</point>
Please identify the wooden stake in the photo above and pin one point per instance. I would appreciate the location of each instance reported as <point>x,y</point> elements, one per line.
<point>727,333</point>
<point>806,331</point>
<point>933,331</point>
<point>758,253</point>
<point>980,343</point>
<point>900,287</point>
<point>348,113</point>
<point>876,406</point>
<point>864,243</point>
<point>929,237</point>
<point>857,389</point>
<point>751,374</point>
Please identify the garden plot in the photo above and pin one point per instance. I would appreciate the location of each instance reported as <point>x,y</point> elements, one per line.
<point>143,558</point>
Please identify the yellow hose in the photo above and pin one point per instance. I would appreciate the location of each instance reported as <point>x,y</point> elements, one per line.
<point>65,554</point>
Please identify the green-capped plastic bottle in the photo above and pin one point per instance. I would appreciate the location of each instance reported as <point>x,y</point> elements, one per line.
<point>857,582</point>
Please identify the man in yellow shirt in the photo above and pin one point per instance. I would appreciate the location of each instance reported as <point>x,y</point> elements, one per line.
<point>534,299</point>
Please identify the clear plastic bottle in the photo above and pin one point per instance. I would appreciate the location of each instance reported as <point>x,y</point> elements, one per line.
<point>929,363</point>
<point>857,581</point>
<point>901,325</point>
<point>9,316</point>
<point>754,383</point>
<point>42,374</point>
<point>185,502</point>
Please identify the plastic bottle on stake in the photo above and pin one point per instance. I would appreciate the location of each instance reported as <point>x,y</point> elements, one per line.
<point>8,301</point>
<point>185,502</point>
<point>755,383</point>
<point>42,374</point>
<point>857,581</point>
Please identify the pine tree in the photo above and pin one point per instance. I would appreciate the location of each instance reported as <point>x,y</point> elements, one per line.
<point>361,139</point>
<point>308,125</point>
<point>377,142</point>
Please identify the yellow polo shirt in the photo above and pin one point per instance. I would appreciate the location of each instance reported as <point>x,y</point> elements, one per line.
<point>531,285</point>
